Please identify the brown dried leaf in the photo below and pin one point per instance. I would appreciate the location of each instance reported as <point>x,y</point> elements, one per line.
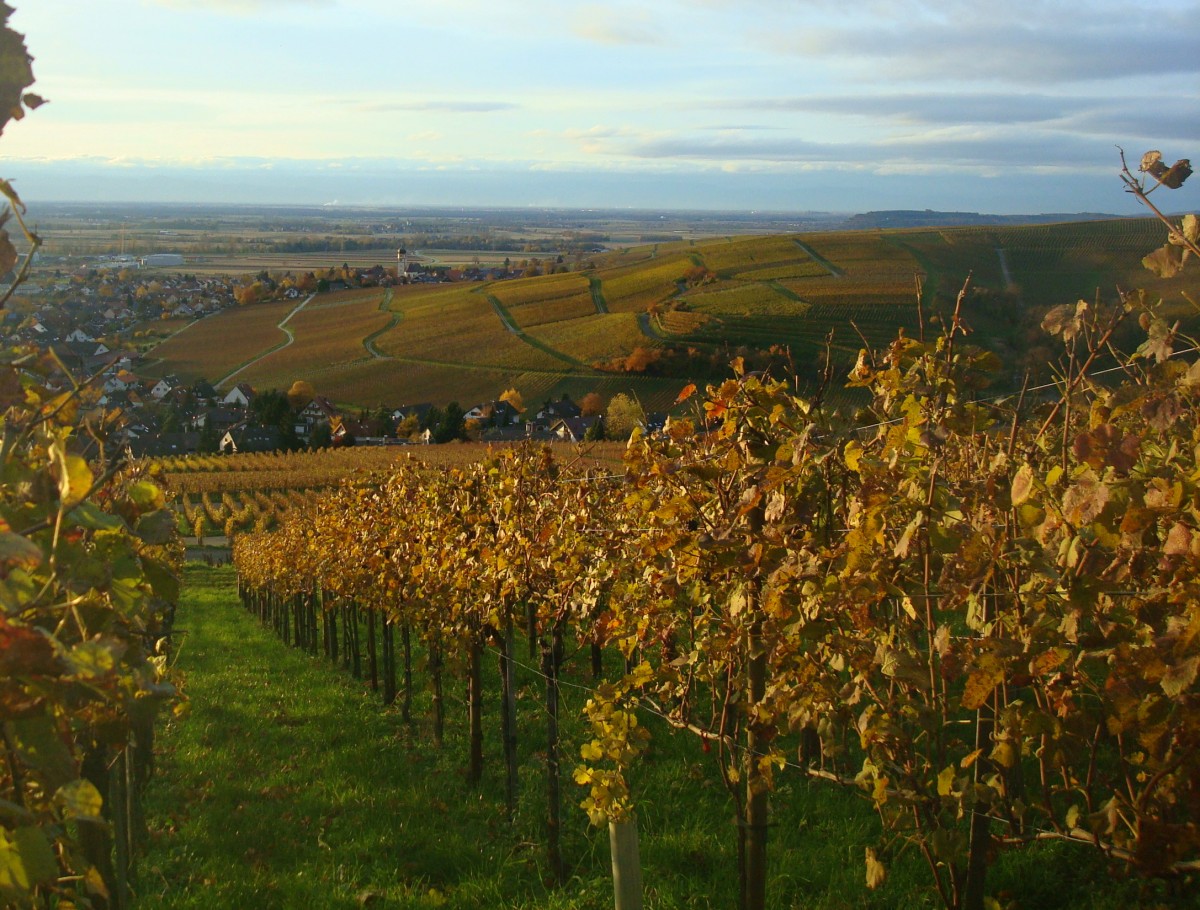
<point>1190,228</point>
<point>8,254</point>
<point>1160,343</point>
<point>876,871</point>
<point>1166,261</point>
<point>1178,174</point>
<point>980,685</point>
<point>1180,677</point>
<point>1084,501</point>
<point>1022,485</point>
<point>1179,540</point>
<point>1063,320</point>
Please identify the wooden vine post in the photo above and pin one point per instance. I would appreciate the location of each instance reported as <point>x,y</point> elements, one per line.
<point>626,863</point>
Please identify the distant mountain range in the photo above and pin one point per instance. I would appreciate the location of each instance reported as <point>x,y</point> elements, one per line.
<point>905,218</point>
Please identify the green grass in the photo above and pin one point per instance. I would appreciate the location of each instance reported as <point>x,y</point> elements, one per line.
<point>289,785</point>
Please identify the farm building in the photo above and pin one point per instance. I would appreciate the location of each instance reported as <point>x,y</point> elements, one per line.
<point>161,260</point>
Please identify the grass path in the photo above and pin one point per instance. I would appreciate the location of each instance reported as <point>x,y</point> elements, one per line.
<point>369,341</point>
<point>288,785</point>
<point>820,260</point>
<point>267,353</point>
<point>506,318</point>
<point>1002,254</point>
<point>597,291</point>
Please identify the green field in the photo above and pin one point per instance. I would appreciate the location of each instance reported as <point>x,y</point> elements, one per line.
<point>548,334</point>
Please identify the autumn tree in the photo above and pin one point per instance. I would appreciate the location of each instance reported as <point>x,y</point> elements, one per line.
<point>623,414</point>
<point>591,404</point>
<point>300,394</point>
<point>640,359</point>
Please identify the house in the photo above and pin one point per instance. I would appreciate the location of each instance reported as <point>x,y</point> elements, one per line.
<point>78,335</point>
<point>164,444</point>
<point>222,418</point>
<point>515,432</point>
<point>161,390</point>
<point>318,411</point>
<point>239,396</point>
<point>494,414</point>
<point>571,429</point>
<point>246,438</point>
<point>121,381</point>
<point>563,407</point>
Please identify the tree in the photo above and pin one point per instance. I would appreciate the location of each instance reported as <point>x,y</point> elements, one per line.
<point>590,404</point>
<point>513,398</point>
<point>248,294</point>
<point>641,358</point>
<point>300,394</point>
<point>210,442</point>
<point>451,426</point>
<point>321,438</point>
<point>271,408</point>
<point>408,427</point>
<point>623,414</point>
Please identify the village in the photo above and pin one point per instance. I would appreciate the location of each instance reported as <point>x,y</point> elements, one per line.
<point>102,320</point>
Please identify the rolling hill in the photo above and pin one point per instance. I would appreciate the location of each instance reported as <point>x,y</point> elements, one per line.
<point>650,318</point>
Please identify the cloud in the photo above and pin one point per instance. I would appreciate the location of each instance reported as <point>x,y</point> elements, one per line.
<point>242,7</point>
<point>1013,52</point>
<point>617,33</point>
<point>438,107</point>
<point>1168,119</point>
<point>1023,43</point>
<point>597,140</point>
<point>971,149</point>
<point>930,107</point>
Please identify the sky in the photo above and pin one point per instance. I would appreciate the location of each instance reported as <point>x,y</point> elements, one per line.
<point>780,105</point>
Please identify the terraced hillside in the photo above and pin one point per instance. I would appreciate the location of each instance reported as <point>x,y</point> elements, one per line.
<point>650,318</point>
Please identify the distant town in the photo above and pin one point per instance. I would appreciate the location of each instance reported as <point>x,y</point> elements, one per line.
<point>102,320</point>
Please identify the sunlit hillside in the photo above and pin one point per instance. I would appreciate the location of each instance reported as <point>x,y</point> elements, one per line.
<point>651,318</point>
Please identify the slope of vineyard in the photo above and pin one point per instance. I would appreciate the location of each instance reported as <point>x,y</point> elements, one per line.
<point>468,342</point>
<point>978,613</point>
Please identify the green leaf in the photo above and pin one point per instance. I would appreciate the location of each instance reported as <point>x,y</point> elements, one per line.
<point>75,479</point>
<point>80,800</point>
<point>37,741</point>
<point>1004,754</point>
<point>89,515</point>
<point>146,495</point>
<point>163,581</point>
<point>158,527</point>
<point>945,781</point>
<point>26,861</point>
<point>91,659</point>
<point>16,550</point>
